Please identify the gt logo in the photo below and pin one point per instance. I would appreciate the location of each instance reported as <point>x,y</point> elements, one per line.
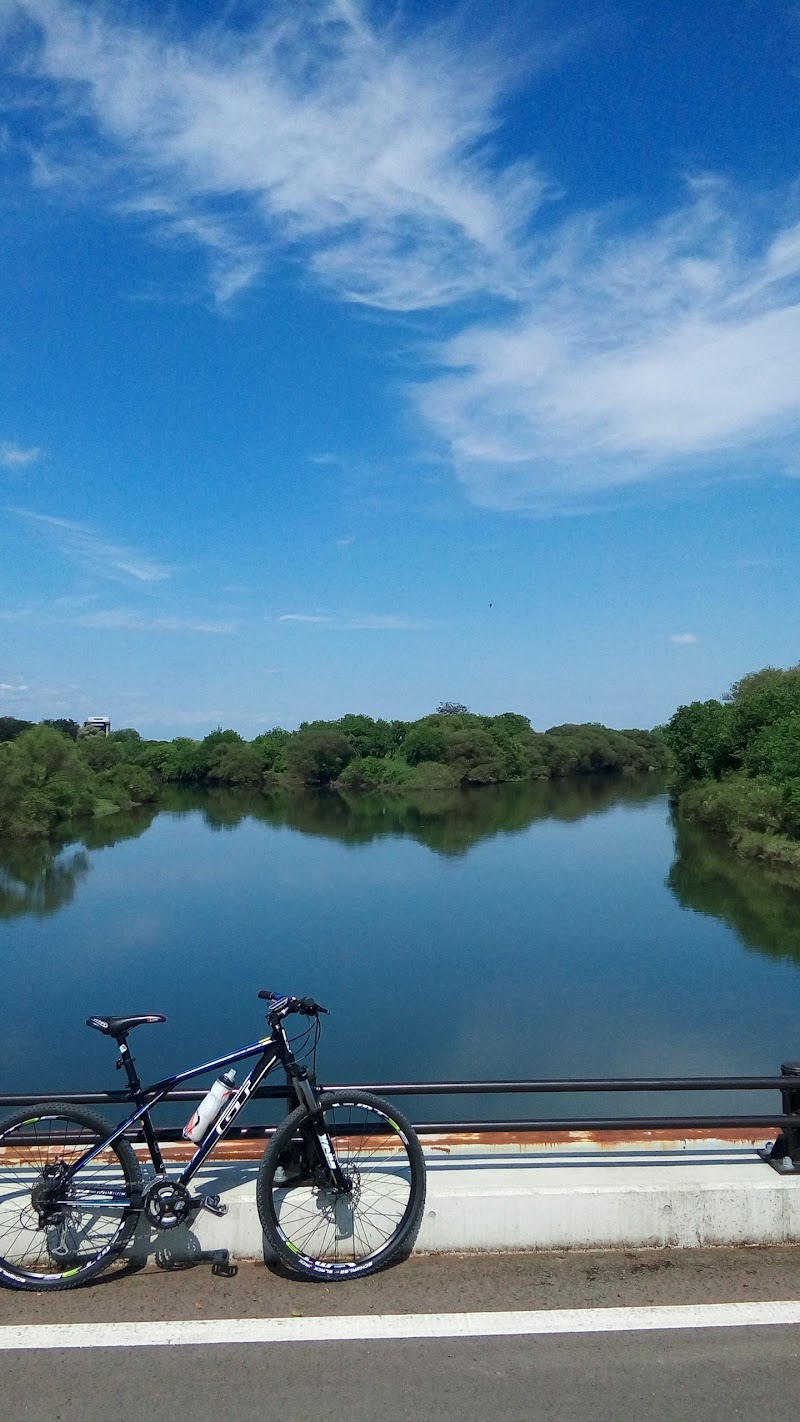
<point>234,1107</point>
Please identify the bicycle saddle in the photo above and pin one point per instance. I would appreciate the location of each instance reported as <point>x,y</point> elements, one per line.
<point>115,1026</point>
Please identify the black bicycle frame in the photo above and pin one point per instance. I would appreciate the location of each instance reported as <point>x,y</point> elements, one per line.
<point>270,1050</point>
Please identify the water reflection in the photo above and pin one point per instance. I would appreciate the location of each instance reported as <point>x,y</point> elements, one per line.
<point>447,822</point>
<point>761,907</point>
<point>38,880</point>
<point>537,938</point>
<point>41,878</point>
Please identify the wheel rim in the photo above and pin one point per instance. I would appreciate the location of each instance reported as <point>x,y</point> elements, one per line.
<point>51,1226</point>
<point>334,1231</point>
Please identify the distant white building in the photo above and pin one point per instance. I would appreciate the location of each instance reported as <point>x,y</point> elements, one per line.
<point>99,723</point>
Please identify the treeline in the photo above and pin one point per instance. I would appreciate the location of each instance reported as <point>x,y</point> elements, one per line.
<point>737,764</point>
<point>54,772</point>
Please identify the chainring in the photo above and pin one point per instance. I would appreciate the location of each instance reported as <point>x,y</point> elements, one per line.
<point>167,1203</point>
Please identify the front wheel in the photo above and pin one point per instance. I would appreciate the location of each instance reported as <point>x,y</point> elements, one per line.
<point>327,1232</point>
<point>60,1226</point>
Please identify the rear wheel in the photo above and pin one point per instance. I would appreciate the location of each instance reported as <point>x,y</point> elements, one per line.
<point>57,1229</point>
<point>327,1232</point>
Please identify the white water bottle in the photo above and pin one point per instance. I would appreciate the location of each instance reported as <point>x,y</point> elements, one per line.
<point>210,1107</point>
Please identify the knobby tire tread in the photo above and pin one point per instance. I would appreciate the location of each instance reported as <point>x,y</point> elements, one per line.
<point>403,1241</point>
<point>14,1277</point>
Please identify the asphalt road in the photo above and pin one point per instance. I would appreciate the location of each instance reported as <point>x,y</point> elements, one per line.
<point>710,1374</point>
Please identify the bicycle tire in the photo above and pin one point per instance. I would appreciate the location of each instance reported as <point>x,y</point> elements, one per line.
<point>313,1228</point>
<point>90,1224</point>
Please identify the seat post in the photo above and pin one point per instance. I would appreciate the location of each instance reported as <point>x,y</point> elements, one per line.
<point>126,1060</point>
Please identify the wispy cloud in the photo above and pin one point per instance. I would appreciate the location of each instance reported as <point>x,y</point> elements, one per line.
<point>666,352</point>
<point>616,353</point>
<point>13,688</point>
<point>123,620</point>
<point>84,546</point>
<point>14,456</point>
<point>358,622</point>
<point>362,147</point>
<point>684,639</point>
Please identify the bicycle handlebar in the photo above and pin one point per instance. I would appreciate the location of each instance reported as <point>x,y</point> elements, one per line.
<point>306,1006</point>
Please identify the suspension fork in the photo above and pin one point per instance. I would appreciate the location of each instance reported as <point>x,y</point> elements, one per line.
<point>307,1096</point>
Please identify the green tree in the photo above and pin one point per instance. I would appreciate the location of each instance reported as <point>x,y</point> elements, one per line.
<point>774,750</point>
<point>11,727</point>
<point>100,752</point>
<point>367,737</point>
<point>373,772</point>
<point>185,760</point>
<point>271,747</point>
<point>425,741</point>
<point>221,738</point>
<point>68,727</point>
<point>42,781</point>
<point>236,764</point>
<point>701,739</point>
<point>318,753</point>
<point>761,699</point>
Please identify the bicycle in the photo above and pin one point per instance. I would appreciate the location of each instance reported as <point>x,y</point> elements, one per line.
<point>340,1187</point>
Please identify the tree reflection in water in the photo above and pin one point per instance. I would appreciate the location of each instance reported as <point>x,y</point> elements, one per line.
<point>760,904</point>
<point>446,821</point>
<point>40,878</point>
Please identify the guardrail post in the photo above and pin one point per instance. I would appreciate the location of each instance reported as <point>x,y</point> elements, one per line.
<point>785,1152</point>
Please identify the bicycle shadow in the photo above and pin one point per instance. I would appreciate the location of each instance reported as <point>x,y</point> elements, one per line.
<point>172,1251</point>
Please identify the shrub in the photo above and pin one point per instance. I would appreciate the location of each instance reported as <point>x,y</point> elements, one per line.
<point>736,804</point>
<point>430,775</point>
<point>318,753</point>
<point>373,772</point>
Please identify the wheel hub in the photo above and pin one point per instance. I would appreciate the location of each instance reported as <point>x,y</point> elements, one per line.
<point>46,1190</point>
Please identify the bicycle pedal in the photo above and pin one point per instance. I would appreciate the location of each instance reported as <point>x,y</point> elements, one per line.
<point>214,1205</point>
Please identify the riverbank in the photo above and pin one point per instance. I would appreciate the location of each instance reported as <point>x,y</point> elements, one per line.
<point>737,766</point>
<point>50,778</point>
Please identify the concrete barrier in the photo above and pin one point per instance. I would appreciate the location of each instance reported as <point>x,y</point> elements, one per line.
<point>569,1194</point>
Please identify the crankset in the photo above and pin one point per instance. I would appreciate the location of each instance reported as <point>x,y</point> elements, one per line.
<point>168,1204</point>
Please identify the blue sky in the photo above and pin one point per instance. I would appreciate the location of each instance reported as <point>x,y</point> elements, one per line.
<point>359,356</point>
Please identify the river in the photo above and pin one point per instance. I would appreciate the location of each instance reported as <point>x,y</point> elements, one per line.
<point>556,929</point>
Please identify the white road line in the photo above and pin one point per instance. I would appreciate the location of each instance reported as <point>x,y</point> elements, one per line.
<point>369,1327</point>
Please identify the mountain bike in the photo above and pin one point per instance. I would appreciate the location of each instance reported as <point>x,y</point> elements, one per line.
<point>340,1187</point>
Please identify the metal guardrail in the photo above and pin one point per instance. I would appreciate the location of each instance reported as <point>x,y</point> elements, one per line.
<point>787,1118</point>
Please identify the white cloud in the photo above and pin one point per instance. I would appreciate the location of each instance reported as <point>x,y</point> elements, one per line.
<point>616,355</point>
<point>120,619</point>
<point>13,456</point>
<point>15,688</point>
<point>662,353</point>
<point>684,639</point>
<point>358,622</point>
<point>357,145</point>
<point>302,617</point>
<point>82,545</point>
